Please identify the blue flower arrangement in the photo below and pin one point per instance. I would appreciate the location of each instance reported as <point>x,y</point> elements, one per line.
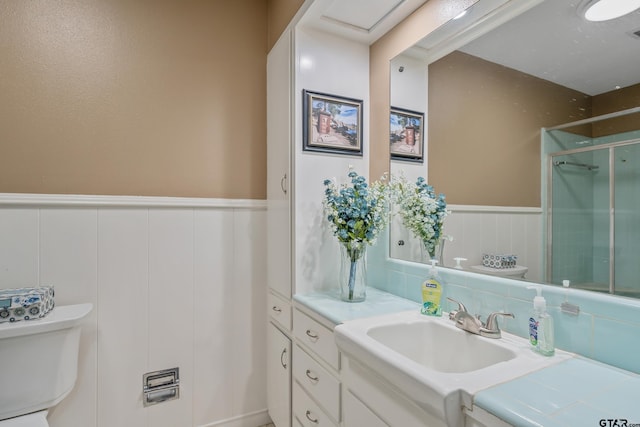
<point>357,213</point>
<point>421,210</point>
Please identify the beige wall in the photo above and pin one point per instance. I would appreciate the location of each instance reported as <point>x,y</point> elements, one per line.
<point>279,14</point>
<point>616,100</point>
<point>484,129</point>
<point>145,97</point>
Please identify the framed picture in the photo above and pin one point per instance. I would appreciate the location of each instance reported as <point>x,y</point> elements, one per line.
<point>406,135</point>
<point>332,124</point>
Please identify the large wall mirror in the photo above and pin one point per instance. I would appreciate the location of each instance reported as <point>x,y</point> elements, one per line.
<point>489,83</point>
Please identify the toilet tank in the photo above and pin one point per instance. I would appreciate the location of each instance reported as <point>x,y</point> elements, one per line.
<point>39,360</point>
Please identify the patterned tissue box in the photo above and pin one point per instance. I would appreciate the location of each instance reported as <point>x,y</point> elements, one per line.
<point>499,261</point>
<point>26,303</point>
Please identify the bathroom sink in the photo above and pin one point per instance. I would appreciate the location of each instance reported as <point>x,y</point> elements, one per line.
<point>441,347</point>
<point>434,364</point>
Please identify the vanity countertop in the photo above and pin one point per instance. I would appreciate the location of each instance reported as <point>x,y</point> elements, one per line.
<point>331,307</point>
<point>574,392</point>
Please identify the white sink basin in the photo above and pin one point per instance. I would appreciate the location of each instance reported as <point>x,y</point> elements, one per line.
<point>441,347</point>
<point>434,364</point>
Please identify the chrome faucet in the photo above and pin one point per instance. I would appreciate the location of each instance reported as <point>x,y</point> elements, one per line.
<point>473,324</point>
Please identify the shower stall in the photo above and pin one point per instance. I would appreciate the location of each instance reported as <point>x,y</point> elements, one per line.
<point>591,174</point>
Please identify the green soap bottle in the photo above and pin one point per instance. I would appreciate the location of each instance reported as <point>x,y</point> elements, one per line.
<point>431,293</point>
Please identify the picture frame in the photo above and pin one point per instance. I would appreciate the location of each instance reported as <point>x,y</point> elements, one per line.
<point>406,135</point>
<point>331,124</point>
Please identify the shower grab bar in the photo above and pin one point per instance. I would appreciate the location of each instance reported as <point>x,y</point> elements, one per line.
<point>580,165</point>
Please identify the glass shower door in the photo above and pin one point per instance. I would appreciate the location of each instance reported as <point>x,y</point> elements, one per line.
<point>580,220</point>
<point>626,174</point>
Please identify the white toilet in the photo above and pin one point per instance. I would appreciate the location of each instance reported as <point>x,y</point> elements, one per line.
<point>38,364</point>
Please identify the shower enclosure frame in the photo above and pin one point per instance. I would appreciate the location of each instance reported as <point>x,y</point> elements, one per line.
<point>610,147</point>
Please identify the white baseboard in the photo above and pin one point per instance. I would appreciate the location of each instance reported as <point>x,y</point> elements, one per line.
<point>253,419</point>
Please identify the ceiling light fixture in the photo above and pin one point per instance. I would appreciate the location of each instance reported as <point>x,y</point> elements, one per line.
<point>460,15</point>
<point>604,10</point>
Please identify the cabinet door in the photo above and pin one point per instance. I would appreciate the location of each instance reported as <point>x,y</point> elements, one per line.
<point>279,133</point>
<point>356,413</point>
<point>278,376</point>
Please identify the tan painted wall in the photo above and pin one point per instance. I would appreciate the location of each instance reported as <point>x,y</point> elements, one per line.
<point>616,100</point>
<point>279,14</point>
<point>484,129</point>
<point>145,97</point>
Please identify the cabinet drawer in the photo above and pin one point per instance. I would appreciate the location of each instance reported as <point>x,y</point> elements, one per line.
<point>307,411</point>
<point>317,337</point>
<point>279,310</point>
<point>317,381</point>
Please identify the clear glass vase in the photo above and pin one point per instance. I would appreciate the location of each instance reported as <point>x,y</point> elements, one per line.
<point>427,251</point>
<point>353,271</point>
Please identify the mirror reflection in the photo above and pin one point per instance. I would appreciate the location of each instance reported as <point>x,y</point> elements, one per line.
<point>592,201</point>
<point>486,103</point>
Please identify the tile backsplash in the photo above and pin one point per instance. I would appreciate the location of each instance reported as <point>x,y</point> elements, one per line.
<point>606,329</point>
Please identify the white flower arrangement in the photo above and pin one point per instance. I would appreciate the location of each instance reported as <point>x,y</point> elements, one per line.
<point>421,210</point>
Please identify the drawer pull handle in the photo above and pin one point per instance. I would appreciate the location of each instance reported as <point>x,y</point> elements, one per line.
<point>311,334</point>
<point>313,420</point>
<point>312,377</point>
<point>276,309</point>
<point>282,358</point>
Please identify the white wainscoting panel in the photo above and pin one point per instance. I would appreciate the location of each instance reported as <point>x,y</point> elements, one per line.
<point>19,246</point>
<point>171,308</point>
<point>247,319</point>
<point>123,314</point>
<point>214,243</point>
<point>173,283</point>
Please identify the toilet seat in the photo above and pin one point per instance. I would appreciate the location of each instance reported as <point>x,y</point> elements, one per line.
<point>36,419</point>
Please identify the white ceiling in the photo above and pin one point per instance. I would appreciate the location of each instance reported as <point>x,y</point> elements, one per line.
<point>361,20</point>
<point>553,42</point>
<point>550,41</point>
<point>359,16</point>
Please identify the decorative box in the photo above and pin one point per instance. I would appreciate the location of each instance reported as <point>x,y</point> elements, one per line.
<point>26,303</point>
<point>499,261</point>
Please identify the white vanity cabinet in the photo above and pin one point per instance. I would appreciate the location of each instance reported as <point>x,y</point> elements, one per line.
<point>278,376</point>
<point>316,371</point>
<point>478,417</point>
<point>371,399</point>
<point>279,351</point>
<point>279,310</point>
<point>279,135</point>
<point>357,413</point>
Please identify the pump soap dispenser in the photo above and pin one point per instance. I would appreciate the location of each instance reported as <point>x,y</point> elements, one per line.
<point>541,334</point>
<point>458,260</point>
<point>431,293</point>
